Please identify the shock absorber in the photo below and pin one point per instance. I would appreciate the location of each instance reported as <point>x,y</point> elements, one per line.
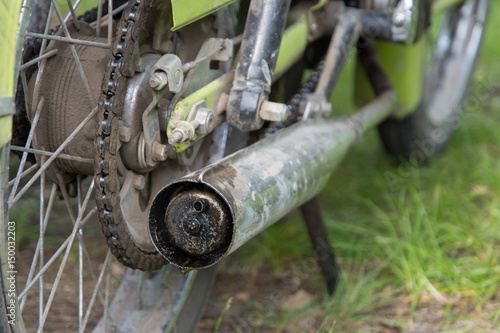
<point>258,55</point>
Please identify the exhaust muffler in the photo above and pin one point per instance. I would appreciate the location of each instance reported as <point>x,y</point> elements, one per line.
<point>201,218</point>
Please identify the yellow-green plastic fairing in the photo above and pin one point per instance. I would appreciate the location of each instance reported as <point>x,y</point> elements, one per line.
<point>185,12</point>
<point>8,26</point>
<point>404,65</point>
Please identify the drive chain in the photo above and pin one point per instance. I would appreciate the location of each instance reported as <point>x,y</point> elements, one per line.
<point>107,157</point>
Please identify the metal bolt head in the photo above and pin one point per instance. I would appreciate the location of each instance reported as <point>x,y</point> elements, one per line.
<point>159,152</point>
<point>204,118</point>
<point>399,20</point>
<point>272,111</point>
<point>139,182</point>
<point>158,80</point>
<point>193,227</point>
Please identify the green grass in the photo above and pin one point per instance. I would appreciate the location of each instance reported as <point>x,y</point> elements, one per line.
<point>406,236</point>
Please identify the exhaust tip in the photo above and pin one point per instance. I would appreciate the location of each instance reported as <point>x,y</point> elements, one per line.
<point>190,225</point>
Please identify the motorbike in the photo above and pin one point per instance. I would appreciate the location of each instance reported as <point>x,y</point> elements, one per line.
<point>194,126</point>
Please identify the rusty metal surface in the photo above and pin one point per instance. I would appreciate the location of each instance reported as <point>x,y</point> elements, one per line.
<point>262,183</point>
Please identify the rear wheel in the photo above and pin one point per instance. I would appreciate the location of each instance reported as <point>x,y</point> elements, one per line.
<point>425,132</point>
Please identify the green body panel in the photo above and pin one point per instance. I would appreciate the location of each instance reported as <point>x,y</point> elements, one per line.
<point>185,12</point>
<point>292,46</point>
<point>439,6</point>
<point>8,26</point>
<point>209,93</point>
<point>405,66</point>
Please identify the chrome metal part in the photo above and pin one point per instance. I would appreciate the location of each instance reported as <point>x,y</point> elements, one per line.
<point>404,22</point>
<point>167,71</point>
<point>262,183</point>
<point>315,105</point>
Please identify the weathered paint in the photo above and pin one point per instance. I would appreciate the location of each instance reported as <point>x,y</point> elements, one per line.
<point>186,12</point>
<point>404,65</point>
<point>210,93</point>
<point>8,26</point>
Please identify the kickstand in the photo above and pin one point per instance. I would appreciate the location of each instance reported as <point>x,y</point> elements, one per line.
<point>319,238</point>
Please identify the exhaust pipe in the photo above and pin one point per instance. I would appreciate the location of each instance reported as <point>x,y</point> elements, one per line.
<point>201,218</point>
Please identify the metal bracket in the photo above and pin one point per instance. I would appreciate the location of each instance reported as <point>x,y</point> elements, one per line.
<point>198,123</point>
<point>152,150</point>
<point>404,22</point>
<point>313,105</point>
<point>167,71</point>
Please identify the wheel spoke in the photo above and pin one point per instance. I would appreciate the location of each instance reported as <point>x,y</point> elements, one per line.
<point>64,245</point>
<point>25,155</point>
<point>79,235</point>
<point>65,257</point>
<point>56,154</point>
<point>97,288</point>
<point>25,173</point>
<point>110,22</point>
<point>41,240</point>
<point>80,255</point>
<point>47,28</point>
<point>75,6</point>
<point>68,40</point>
<point>75,54</point>
<point>99,18</point>
<point>106,17</point>
<point>37,249</point>
<point>73,14</point>
<point>48,153</point>
<point>49,54</point>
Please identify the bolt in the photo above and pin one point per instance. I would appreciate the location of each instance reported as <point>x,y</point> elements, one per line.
<point>178,76</point>
<point>399,20</point>
<point>314,27</point>
<point>203,120</point>
<point>272,111</point>
<point>159,151</point>
<point>158,80</point>
<point>139,182</point>
<point>192,227</point>
<point>182,132</point>
<point>175,137</point>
